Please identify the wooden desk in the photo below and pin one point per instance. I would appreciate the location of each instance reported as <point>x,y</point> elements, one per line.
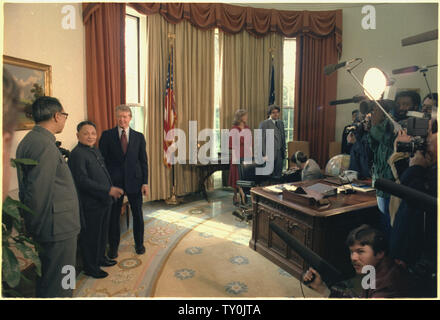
<point>323,230</point>
<point>206,170</point>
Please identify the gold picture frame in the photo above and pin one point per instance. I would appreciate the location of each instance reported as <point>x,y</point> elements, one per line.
<point>34,79</point>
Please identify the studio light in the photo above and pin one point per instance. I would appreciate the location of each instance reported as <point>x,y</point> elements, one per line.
<point>375,83</point>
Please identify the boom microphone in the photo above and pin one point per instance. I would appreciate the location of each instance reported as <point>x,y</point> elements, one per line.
<point>329,274</point>
<point>406,70</point>
<point>413,69</point>
<point>329,69</point>
<point>411,195</point>
<point>421,37</point>
<point>355,99</point>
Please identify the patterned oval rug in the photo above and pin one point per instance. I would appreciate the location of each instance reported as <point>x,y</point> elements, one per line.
<point>194,250</point>
<point>214,260</point>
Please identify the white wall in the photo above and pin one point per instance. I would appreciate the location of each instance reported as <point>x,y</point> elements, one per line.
<point>382,48</point>
<point>34,32</point>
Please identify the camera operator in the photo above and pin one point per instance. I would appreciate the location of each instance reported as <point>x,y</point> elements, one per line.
<point>429,102</point>
<point>355,119</point>
<point>414,235</point>
<point>360,155</point>
<point>405,101</point>
<point>381,142</point>
<point>368,247</point>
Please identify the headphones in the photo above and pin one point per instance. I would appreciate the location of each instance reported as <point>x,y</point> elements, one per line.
<point>300,158</point>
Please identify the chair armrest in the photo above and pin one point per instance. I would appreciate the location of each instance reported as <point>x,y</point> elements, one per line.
<point>245,183</point>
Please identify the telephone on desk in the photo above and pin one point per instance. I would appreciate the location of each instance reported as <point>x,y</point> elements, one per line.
<point>291,175</point>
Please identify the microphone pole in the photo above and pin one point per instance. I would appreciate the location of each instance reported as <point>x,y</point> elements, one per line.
<point>423,71</point>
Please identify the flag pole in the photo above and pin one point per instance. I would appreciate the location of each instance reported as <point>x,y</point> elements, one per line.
<point>272,76</point>
<point>173,200</point>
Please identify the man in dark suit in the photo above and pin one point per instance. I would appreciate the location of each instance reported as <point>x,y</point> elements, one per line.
<point>95,191</point>
<point>279,146</point>
<point>125,156</point>
<point>49,190</point>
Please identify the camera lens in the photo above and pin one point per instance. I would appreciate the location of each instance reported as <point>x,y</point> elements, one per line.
<point>405,147</point>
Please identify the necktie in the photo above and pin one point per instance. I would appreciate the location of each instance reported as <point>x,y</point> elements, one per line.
<point>124,143</point>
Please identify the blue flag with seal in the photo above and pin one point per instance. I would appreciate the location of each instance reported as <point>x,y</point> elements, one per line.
<point>272,84</point>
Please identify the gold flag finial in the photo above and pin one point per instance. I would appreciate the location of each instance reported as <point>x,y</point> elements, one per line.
<point>272,51</point>
<point>171,38</point>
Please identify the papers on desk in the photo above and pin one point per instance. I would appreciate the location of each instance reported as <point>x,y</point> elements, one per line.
<point>356,187</point>
<point>312,195</point>
<point>322,189</point>
<point>278,189</point>
<point>289,187</point>
<point>275,189</point>
<point>317,190</point>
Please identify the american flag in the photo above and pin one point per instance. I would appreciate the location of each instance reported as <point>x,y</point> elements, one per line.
<point>170,115</point>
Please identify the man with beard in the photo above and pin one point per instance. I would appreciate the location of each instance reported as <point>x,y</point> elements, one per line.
<point>405,101</point>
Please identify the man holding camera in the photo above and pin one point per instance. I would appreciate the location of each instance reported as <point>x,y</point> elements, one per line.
<point>368,248</point>
<point>348,129</point>
<point>430,101</point>
<point>413,238</point>
<point>381,141</point>
<point>405,101</point>
<point>360,153</point>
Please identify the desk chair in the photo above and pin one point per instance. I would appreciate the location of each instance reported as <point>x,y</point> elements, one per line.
<point>334,149</point>
<point>247,180</point>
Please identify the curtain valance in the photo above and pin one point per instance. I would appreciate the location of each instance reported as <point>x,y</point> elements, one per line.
<point>258,22</point>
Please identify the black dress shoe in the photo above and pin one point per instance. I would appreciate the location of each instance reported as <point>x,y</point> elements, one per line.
<point>140,250</point>
<point>99,274</point>
<point>112,254</point>
<point>108,262</point>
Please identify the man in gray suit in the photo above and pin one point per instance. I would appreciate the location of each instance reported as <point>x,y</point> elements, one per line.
<point>279,147</point>
<point>48,189</point>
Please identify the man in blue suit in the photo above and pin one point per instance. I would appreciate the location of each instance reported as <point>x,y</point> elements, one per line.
<point>124,152</point>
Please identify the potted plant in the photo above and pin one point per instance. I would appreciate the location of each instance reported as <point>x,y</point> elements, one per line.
<point>15,239</point>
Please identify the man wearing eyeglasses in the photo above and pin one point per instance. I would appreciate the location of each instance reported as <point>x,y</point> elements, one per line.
<point>49,190</point>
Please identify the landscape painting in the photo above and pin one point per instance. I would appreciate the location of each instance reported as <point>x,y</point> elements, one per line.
<point>34,80</point>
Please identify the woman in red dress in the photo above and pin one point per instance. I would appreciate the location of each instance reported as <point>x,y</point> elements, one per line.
<point>239,124</point>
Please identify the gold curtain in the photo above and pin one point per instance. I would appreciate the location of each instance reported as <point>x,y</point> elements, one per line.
<point>157,59</point>
<point>194,96</point>
<point>246,66</point>
<point>194,87</point>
